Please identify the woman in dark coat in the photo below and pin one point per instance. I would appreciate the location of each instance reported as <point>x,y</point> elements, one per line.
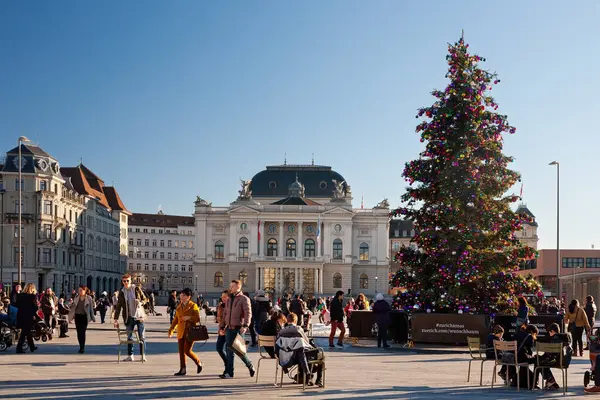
<point>27,308</point>
<point>381,316</point>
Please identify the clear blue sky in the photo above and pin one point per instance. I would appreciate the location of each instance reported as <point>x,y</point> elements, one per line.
<point>170,100</point>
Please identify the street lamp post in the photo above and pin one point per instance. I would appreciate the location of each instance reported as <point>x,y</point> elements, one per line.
<point>196,284</point>
<point>22,139</point>
<point>558,294</point>
<point>376,286</point>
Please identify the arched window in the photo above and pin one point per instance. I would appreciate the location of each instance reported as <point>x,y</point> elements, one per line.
<point>218,279</point>
<point>363,254</point>
<point>290,248</point>
<point>244,277</point>
<point>337,280</point>
<point>337,249</point>
<point>272,247</point>
<point>90,245</point>
<point>243,248</point>
<point>364,281</point>
<point>98,244</point>
<point>219,250</point>
<point>104,245</point>
<point>309,248</point>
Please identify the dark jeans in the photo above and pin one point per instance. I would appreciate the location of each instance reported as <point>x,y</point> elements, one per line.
<point>131,324</point>
<point>50,320</point>
<point>221,349</point>
<point>63,327</point>
<point>172,315</point>
<point>81,324</point>
<point>382,337</point>
<point>102,314</point>
<point>25,333</point>
<point>577,339</point>
<point>230,335</point>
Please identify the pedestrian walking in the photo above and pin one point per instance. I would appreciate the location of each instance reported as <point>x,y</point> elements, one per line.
<point>221,337</point>
<point>187,314</point>
<point>82,311</point>
<point>237,316</point>
<point>172,305</point>
<point>27,308</point>
<point>130,305</point>
<point>336,309</point>
<point>381,315</point>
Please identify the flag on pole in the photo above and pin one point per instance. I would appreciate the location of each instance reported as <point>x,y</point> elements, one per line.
<point>521,192</point>
<point>318,229</point>
<point>259,231</point>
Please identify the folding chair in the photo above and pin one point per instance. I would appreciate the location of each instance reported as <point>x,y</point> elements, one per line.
<point>268,341</point>
<point>508,347</point>
<point>477,354</point>
<point>551,348</point>
<point>311,364</point>
<point>122,336</point>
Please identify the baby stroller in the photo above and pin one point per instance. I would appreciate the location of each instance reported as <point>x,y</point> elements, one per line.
<point>6,336</point>
<point>39,329</point>
<point>594,343</point>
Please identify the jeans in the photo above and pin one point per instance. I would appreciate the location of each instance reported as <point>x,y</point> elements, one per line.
<point>382,337</point>
<point>577,339</point>
<point>172,315</point>
<point>81,324</point>
<point>102,314</point>
<point>230,335</point>
<point>221,350</point>
<point>131,323</point>
<point>334,326</point>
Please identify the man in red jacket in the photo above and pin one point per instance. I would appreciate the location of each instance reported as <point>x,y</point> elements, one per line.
<point>237,316</point>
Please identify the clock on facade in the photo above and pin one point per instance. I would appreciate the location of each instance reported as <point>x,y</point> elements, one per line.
<point>291,228</point>
<point>243,226</point>
<point>337,228</point>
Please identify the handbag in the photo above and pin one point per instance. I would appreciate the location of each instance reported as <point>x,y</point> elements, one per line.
<point>196,333</point>
<point>239,346</point>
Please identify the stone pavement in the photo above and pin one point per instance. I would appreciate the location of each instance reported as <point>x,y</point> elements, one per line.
<point>56,371</point>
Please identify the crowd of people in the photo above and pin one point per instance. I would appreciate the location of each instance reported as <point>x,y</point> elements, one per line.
<point>577,320</point>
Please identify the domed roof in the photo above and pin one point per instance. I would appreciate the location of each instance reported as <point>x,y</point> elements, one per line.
<point>276,181</point>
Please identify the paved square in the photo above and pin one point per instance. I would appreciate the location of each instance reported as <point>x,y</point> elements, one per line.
<point>57,371</point>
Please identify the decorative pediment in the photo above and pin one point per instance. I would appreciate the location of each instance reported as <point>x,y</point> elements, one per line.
<point>243,210</point>
<point>338,210</point>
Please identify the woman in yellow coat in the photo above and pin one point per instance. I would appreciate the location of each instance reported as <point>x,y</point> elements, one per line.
<point>187,314</point>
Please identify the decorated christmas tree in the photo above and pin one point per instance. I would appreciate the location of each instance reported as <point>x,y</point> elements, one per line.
<point>466,254</point>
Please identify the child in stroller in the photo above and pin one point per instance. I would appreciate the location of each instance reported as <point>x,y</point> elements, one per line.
<point>39,329</point>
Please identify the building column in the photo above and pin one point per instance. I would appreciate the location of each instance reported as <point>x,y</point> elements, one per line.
<point>320,274</point>
<point>318,238</point>
<point>300,246</point>
<point>316,280</point>
<point>300,279</point>
<point>256,278</point>
<point>281,246</point>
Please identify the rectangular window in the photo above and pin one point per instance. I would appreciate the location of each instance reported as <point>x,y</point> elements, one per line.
<point>168,256</point>
<point>162,267</point>
<point>47,207</point>
<point>183,244</point>
<point>190,268</point>
<point>138,242</point>
<point>152,230</point>
<point>130,254</point>
<point>17,206</point>
<point>169,267</point>
<point>177,256</point>
<point>137,230</point>
<point>162,255</point>
<point>138,266</point>
<point>147,242</point>
<point>48,231</point>
<point>160,231</point>
<point>153,267</point>
<point>154,243</point>
<point>43,186</point>
<point>131,266</point>
<point>169,243</point>
<point>592,263</point>
<point>145,230</point>
<point>162,243</point>
<point>131,242</point>
<point>572,262</point>
<point>145,267</point>
<point>17,184</point>
<point>154,254</point>
<point>176,268</point>
<point>47,256</point>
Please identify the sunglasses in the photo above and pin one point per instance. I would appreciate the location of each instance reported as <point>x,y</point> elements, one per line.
<point>126,280</point>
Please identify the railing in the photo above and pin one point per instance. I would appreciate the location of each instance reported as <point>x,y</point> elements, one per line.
<point>243,259</point>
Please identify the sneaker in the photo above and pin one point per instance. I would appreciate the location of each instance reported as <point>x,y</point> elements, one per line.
<point>340,345</point>
<point>144,358</point>
<point>331,346</point>
<point>592,389</point>
<point>130,358</point>
<point>225,376</point>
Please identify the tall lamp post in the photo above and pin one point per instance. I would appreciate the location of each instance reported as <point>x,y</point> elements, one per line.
<point>558,294</point>
<point>22,139</point>
<point>196,284</point>
<point>376,280</point>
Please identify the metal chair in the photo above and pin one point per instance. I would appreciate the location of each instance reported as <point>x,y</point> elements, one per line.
<point>477,353</point>
<point>122,336</point>
<point>268,341</point>
<point>556,348</point>
<point>508,347</point>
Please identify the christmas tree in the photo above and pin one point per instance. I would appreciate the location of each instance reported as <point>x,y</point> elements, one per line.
<point>467,252</point>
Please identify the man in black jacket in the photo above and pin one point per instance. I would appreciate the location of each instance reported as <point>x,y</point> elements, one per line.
<point>172,305</point>
<point>337,318</point>
<point>298,307</point>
